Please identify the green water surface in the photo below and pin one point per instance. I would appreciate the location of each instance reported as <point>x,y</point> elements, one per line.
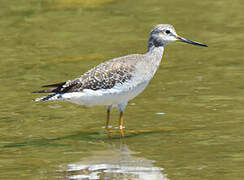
<point>188,124</point>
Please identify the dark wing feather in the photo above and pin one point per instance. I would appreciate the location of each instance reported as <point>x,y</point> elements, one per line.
<point>54,85</point>
<point>54,88</point>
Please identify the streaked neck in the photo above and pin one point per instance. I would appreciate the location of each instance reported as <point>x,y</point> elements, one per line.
<point>155,47</point>
<point>154,55</point>
<point>157,52</point>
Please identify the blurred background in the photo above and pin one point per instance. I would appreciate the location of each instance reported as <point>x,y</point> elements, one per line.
<point>188,123</point>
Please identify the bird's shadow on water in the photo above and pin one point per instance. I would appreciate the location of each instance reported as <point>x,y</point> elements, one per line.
<point>94,136</point>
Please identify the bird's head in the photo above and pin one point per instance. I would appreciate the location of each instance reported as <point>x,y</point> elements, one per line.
<point>162,34</point>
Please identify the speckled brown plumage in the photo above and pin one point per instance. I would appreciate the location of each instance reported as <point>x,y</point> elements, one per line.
<point>103,76</point>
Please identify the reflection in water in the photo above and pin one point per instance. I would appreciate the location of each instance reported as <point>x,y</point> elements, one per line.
<point>114,163</point>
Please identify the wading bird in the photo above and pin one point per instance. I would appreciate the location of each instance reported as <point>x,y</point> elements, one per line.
<point>116,81</point>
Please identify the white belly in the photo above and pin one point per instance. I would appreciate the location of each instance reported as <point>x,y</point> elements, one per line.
<point>117,95</point>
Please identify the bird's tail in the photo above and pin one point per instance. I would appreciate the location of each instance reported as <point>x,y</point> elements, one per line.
<point>53,96</point>
<point>53,89</point>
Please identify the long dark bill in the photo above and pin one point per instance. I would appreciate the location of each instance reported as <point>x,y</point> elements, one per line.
<point>190,41</point>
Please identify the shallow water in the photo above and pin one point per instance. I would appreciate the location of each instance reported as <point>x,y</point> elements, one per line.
<point>187,124</point>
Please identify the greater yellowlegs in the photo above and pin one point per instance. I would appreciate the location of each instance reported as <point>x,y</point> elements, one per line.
<point>116,81</point>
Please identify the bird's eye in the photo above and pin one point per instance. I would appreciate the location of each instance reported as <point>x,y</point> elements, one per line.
<point>167,31</point>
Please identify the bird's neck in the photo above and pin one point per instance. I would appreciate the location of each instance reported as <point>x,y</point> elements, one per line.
<point>155,47</point>
<point>156,52</point>
<point>154,58</point>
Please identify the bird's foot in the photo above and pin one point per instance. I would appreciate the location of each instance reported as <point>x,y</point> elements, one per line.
<point>107,127</point>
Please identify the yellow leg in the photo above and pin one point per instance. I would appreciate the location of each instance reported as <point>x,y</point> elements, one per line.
<point>121,120</point>
<point>121,124</point>
<point>122,133</point>
<point>108,118</point>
